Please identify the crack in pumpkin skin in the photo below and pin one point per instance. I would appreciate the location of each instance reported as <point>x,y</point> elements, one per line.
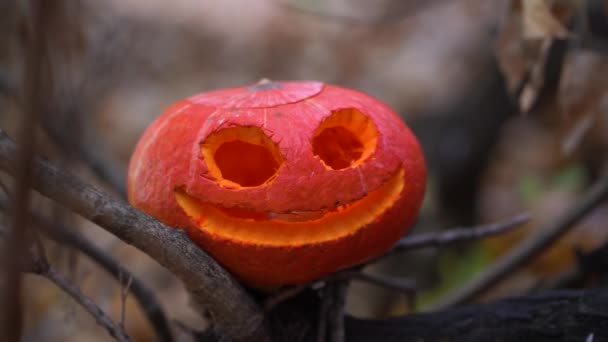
<point>287,229</point>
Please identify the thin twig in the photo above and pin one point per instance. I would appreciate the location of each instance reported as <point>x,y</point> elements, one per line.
<point>146,298</point>
<point>403,285</point>
<point>529,248</point>
<point>144,295</point>
<point>457,235</point>
<point>100,316</point>
<point>124,292</point>
<point>34,261</point>
<point>235,314</point>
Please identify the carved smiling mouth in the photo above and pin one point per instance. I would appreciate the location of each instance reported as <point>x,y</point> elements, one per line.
<point>293,228</point>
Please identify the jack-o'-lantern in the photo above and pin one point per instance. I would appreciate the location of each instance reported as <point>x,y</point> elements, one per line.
<point>281,182</point>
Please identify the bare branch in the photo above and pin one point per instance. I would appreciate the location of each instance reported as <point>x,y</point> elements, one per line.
<point>143,294</point>
<point>403,285</point>
<point>101,317</point>
<point>233,311</point>
<point>457,235</point>
<point>33,260</point>
<point>529,248</point>
<point>146,298</point>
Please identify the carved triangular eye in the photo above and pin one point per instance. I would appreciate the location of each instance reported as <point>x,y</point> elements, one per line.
<point>345,139</point>
<point>241,156</point>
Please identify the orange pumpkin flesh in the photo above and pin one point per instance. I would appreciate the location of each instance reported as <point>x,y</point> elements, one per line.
<point>281,182</point>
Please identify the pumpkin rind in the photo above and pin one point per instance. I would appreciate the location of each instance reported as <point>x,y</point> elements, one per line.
<point>168,157</point>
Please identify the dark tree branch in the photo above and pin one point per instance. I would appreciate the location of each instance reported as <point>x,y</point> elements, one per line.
<point>553,316</point>
<point>271,302</point>
<point>233,311</point>
<point>326,302</point>
<point>529,248</point>
<point>336,313</point>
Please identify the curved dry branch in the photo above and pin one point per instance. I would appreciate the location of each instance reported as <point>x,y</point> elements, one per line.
<point>233,311</point>
<point>73,291</point>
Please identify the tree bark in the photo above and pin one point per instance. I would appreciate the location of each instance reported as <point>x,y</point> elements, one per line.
<point>572,315</point>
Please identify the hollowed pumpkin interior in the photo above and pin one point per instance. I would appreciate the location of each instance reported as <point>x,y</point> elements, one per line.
<point>345,139</point>
<point>293,228</point>
<point>241,156</point>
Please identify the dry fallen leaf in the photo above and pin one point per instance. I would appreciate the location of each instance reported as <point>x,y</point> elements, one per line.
<point>528,34</point>
<point>539,22</point>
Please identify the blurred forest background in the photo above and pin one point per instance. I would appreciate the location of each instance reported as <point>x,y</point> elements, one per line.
<point>509,99</point>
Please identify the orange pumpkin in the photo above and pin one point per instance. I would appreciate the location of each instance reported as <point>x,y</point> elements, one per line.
<point>282,182</point>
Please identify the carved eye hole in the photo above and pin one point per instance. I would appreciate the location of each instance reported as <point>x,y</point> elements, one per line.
<point>345,139</point>
<point>241,156</point>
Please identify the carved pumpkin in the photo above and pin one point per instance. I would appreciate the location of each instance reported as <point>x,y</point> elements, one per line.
<point>282,182</point>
